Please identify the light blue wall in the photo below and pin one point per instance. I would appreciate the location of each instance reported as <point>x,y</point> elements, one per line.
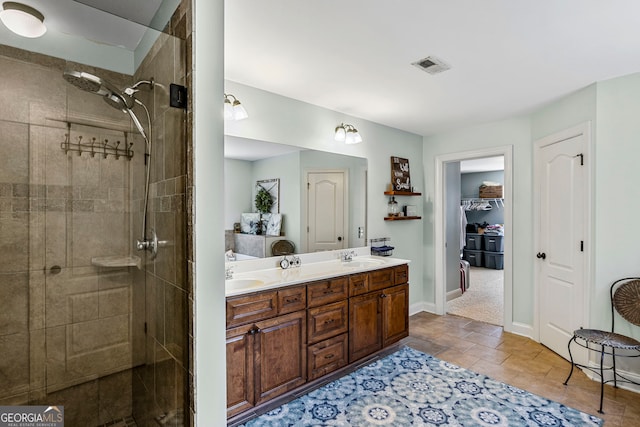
<point>612,107</point>
<point>517,133</point>
<point>617,193</point>
<point>238,184</point>
<point>274,118</point>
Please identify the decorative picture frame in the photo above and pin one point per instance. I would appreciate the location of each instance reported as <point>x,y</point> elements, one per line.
<point>272,186</point>
<point>400,176</point>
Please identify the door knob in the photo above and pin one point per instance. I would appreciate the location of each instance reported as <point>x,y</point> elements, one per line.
<point>541,255</point>
<point>339,238</point>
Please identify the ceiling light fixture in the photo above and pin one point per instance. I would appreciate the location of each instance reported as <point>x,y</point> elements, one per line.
<point>233,109</point>
<point>347,134</point>
<point>23,20</point>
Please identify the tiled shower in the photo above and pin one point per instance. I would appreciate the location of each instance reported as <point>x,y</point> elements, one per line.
<point>108,341</point>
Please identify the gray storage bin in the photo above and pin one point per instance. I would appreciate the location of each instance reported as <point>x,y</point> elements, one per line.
<point>494,260</point>
<point>473,257</point>
<point>493,243</point>
<point>473,242</point>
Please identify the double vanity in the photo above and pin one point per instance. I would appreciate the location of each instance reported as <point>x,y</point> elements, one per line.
<point>289,327</point>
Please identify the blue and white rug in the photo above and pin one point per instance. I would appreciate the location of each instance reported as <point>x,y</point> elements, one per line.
<point>411,388</point>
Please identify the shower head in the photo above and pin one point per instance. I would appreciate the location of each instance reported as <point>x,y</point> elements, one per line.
<point>111,95</point>
<point>88,82</point>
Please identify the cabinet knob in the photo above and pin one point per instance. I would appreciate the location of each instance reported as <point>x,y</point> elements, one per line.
<point>383,296</point>
<point>329,356</point>
<point>254,330</point>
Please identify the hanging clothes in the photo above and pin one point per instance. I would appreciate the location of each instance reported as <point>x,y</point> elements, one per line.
<point>463,228</point>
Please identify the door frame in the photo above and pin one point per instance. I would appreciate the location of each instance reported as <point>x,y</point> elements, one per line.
<point>440,194</point>
<point>581,129</point>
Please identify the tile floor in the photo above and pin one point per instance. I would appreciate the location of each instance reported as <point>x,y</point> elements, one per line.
<point>519,361</point>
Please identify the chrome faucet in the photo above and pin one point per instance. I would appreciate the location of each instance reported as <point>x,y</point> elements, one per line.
<point>228,273</point>
<point>347,256</point>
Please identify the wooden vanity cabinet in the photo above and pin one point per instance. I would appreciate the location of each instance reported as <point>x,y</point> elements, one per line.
<point>380,317</point>
<point>277,340</point>
<point>266,356</point>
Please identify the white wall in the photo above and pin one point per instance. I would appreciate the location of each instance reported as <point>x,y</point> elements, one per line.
<point>208,222</point>
<point>274,118</point>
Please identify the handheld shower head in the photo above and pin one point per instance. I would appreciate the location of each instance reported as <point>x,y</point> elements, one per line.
<point>111,95</point>
<point>88,82</point>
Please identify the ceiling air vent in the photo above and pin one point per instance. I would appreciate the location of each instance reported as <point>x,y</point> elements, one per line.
<point>431,65</point>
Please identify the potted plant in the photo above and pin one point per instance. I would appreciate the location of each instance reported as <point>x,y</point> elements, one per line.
<point>263,202</point>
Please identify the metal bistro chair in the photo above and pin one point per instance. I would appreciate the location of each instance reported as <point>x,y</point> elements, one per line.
<point>625,300</point>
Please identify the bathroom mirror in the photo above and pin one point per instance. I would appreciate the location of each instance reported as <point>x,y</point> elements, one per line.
<point>248,161</point>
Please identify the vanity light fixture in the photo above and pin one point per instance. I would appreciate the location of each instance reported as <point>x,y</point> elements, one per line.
<point>233,109</point>
<point>347,134</point>
<point>23,20</point>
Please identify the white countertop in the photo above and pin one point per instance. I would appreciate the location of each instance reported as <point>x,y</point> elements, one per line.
<point>263,275</point>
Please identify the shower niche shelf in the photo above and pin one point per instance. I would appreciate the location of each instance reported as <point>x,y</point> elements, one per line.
<point>116,261</point>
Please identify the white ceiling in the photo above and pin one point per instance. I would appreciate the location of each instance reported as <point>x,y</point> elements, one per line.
<point>507,57</point>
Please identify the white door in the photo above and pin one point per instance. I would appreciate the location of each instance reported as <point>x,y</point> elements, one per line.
<point>561,185</point>
<point>325,209</point>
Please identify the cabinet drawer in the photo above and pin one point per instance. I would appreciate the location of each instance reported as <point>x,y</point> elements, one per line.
<point>327,356</point>
<point>250,308</point>
<point>358,284</point>
<point>401,273</point>
<point>380,279</point>
<point>292,299</point>
<point>328,291</point>
<point>327,321</point>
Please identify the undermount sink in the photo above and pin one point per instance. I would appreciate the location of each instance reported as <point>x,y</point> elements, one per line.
<point>237,284</point>
<point>363,263</point>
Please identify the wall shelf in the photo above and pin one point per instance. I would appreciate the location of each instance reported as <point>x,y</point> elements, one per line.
<point>401,218</point>
<point>401,193</point>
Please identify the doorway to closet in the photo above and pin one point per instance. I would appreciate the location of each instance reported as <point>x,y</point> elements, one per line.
<point>480,291</point>
<point>485,288</point>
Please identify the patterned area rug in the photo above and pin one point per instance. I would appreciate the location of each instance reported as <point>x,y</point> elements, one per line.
<point>409,387</point>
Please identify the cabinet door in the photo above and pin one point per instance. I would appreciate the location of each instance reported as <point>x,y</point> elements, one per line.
<point>395,314</point>
<point>327,321</point>
<point>281,355</point>
<point>240,358</point>
<point>365,325</point>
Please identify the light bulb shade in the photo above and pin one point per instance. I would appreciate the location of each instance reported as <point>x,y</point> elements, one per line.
<point>341,134</point>
<point>239,113</point>
<point>350,138</point>
<point>357,138</point>
<point>228,109</point>
<point>23,20</point>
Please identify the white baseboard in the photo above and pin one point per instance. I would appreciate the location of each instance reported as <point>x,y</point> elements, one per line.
<point>454,294</point>
<point>609,376</point>
<point>421,306</point>
<point>520,329</point>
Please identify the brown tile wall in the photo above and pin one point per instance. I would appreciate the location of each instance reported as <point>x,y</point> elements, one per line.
<point>75,336</point>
